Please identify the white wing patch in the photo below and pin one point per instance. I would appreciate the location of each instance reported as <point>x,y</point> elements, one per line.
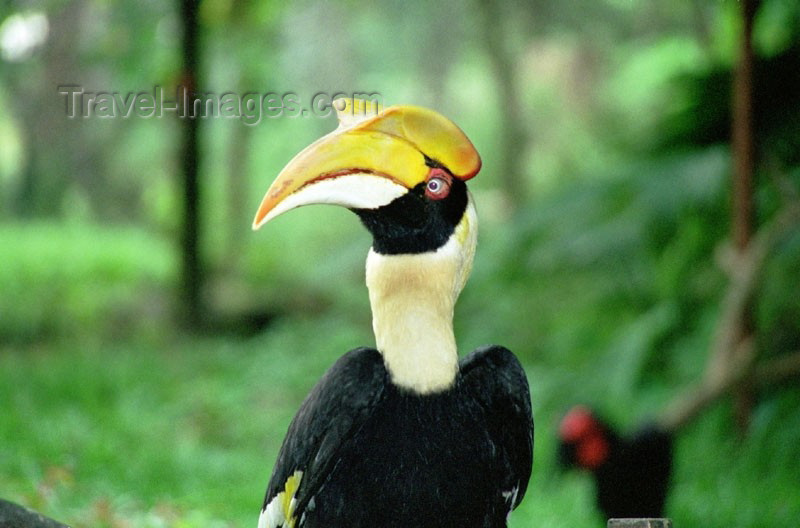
<point>279,513</point>
<point>510,497</point>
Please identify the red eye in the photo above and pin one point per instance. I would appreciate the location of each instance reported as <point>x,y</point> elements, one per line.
<point>438,185</point>
<point>437,188</point>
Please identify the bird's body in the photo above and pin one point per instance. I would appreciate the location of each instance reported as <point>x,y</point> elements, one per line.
<point>631,473</point>
<point>389,457</point>
<point>404,434</point>
<point>634,481</point>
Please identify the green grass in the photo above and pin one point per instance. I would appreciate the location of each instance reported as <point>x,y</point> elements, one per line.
<point>60,278</point>
<point>131,431</point>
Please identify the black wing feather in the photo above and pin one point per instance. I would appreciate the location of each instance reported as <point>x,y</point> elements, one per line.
<point>497,379</point>
<point>332,412</point>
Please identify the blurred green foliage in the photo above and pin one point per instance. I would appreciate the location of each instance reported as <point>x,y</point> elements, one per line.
<point>59,280</point>
<point>603,279</point>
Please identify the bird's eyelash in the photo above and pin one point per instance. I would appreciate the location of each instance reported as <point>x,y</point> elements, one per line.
<point>432,163</point>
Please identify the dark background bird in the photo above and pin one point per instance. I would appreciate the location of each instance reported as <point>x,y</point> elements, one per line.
<point>631,472</point>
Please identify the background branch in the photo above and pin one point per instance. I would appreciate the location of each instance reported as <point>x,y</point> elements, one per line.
<point>732,361</point>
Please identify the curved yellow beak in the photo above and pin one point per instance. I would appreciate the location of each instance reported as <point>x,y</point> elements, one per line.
<point>373,157</point>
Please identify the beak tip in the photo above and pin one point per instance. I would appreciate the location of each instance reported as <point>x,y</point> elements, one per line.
<point>258,221</point>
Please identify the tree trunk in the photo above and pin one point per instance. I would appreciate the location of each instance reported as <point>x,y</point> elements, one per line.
<point>513,133</point>
<point>238,214</point>
<point>192,278</point>
<point>743,217</point>
<point>52,143</point>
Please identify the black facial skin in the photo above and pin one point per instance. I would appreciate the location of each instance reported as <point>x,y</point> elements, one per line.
<point>414,223</point>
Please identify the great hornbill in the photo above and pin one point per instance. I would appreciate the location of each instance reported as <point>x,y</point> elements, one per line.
<point>404,434</point>
<point>631,473</point>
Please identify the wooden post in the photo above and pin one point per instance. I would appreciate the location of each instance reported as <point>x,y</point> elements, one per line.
<point>639,523</point>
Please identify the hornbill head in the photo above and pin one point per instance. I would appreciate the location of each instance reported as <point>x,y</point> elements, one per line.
<point>402,170</point>
<point>584,440</point>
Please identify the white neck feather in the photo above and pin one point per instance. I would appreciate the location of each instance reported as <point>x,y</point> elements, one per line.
<point>413,297</point>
